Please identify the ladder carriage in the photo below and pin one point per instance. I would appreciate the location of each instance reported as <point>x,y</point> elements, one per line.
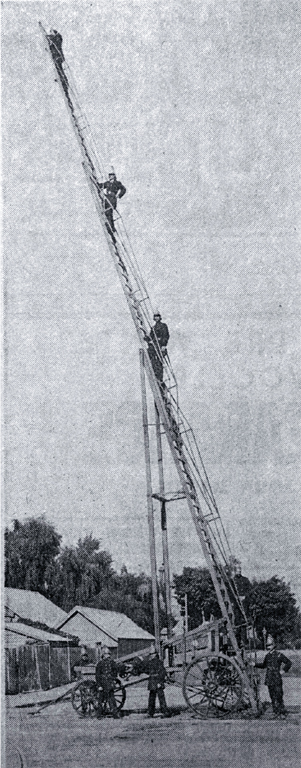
<point>214,679</point>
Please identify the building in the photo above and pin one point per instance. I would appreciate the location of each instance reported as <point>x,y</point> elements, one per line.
<point>17,634</point>
<point>115,630</point>
<point>24,604</point>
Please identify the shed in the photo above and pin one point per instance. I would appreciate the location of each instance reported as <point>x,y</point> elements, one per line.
<point>110,628</point>
<point>24,604</point>
<point>17,634</point>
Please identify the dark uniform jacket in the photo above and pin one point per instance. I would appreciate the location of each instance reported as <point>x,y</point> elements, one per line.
<point>106,673</point>
<point>160,333</point>
<point>56,42</point>
<point>272,663</point>
<point>154,667</point>
<point>112,188</point>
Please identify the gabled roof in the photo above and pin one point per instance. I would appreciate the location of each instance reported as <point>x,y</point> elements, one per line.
<point>33,606</point>
<point>116,625</point>
<point>17,633</point>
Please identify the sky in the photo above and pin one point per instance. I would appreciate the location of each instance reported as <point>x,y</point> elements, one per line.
<point>197,106</point>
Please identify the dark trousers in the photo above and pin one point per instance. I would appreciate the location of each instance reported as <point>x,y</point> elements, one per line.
<point>105,697</point>
<point>276,693</point>
<point>110,223</point>
<point>152,701</point>
<point>156,363</point>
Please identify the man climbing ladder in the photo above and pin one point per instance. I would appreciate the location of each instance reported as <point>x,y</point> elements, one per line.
<point>111,191</point>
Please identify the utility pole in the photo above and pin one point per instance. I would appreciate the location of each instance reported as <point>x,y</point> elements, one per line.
<point>164,527</point>
<point>150,509</point>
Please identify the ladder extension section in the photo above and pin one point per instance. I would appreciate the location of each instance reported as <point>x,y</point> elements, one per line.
<point>183,445</point>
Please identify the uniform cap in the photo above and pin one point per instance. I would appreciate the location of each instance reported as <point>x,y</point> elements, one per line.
<point>270,640</point>
<point>157,314</point>
<point>111,171</point>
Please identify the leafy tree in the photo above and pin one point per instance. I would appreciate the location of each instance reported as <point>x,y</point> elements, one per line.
<point>274,607</point>
<point>130,594</point>
<point>30,550</point>
<point>79,574</point>
<point>271,602</point>
<point>201,596</point>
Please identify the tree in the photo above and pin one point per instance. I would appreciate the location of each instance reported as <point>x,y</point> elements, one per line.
<point>271,603</point>
<point>30,551</point>
<point>201,596</point>
<point>129,594</point>
<point>79,574</point>
<point>274,608</point>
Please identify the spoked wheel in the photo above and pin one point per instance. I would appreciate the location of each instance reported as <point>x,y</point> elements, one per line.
<point>85,699</point>
<point>213,683</point>
<point>119,694</point>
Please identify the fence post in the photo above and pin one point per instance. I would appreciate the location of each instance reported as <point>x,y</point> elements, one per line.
<point>7,667</point>
<point>49,665</point>
<point>69,662</point>
<point>35,648</point>
<point>18,668</point>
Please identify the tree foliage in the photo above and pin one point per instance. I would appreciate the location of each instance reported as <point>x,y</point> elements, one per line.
<point>274,608</point>
<point>84,575</point>
<point>79,574</point>
<point>201,597</point>
<point>269,604</point>
<point>30,551</point>
<point>129,594</point>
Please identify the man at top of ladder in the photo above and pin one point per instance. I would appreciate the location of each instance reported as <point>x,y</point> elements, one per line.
<point>55,43</point>
<point>111,190</point>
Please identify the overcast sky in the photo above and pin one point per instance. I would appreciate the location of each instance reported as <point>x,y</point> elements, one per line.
<point>197,105</point>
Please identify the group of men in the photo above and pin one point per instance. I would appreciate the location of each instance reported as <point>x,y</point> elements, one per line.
<point>106,674</point>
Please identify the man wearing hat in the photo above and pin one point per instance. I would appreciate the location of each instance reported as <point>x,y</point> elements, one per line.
<point>154,667</point>
<point>55,42</point>
<point>272,663</point>
<point>157,343</point>
<point>111,191</point>
<point>106,675</point>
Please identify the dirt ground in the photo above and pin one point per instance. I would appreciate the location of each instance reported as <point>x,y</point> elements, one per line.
<point>58,738</point>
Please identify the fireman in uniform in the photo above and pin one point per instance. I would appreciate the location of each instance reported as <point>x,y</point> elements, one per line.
<point>111,191</point>
<point>273,662</point>
<point>106,675</point>
<point>154,667</point>
<point>157,343</point>
<point>55,42</point>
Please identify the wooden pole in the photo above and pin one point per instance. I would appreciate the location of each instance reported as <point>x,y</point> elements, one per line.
<point>150,509</point>
<point>164,527</point>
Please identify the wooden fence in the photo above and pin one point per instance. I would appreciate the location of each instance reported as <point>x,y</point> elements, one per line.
<point>41,666</point>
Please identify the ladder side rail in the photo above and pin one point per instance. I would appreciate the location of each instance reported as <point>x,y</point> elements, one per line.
<point>205,491</point>
<point>94,166</point>
<point>197,456</point>
<point>136,314</point>
<point>71,109</point>
<point>201,524</point>
<point>191,496</point>
<point>136,310</point>
<point>222,533</point>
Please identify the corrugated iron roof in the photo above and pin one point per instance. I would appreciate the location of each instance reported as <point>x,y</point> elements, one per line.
<point>17,633</point>
<point>33,606</point>
<point>117,625</point>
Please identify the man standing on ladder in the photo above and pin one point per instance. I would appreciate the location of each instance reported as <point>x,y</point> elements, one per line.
<point>158,340</point>
<point>111,191</point>
<point>55,42</point>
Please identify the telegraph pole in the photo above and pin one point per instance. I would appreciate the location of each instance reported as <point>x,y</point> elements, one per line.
<point>164,528</point>
<point>150,509</point>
